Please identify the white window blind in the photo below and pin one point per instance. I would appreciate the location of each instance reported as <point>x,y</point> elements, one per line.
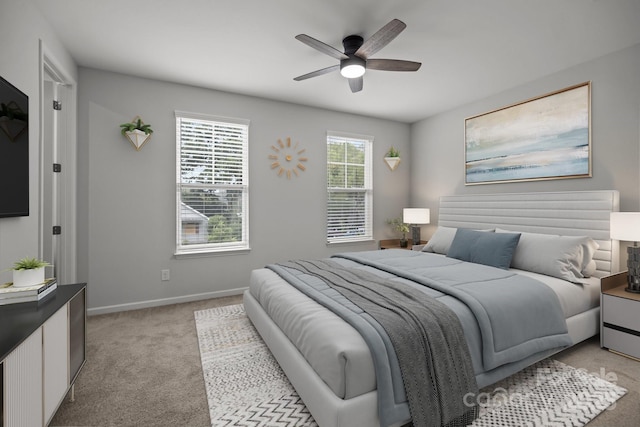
<point>212,183</point>
<point>349,188</point>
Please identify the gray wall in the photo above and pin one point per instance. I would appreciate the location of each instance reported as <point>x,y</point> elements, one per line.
<point>437,143</point>
<point>126,198</point>
<point>22,28</point>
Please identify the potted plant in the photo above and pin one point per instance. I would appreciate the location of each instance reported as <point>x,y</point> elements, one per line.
<point>13,121</point>
<point>137,132</point>
<point>28,272</point>
<point>12,112</point>
<point>392,158</point>
<point>400,226</point>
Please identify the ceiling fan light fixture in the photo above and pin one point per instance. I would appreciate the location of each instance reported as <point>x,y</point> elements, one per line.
<point>352,67</point>
<point>356,57</point>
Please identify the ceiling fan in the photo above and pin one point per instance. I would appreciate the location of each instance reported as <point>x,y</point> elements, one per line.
<point>355,59</point>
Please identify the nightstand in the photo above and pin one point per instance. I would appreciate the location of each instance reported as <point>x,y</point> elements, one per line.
<point>619,316</point>
<point>395,244</point>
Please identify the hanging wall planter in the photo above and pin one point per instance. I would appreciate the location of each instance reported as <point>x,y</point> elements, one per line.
<point>13,121</point>
<point>137,132</point>
<point>392,159</point>
<point>138,138</point>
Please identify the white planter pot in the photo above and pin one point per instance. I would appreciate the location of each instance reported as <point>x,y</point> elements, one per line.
<point>23,278</point>
<point>392,162</point>
<point>138,138</point>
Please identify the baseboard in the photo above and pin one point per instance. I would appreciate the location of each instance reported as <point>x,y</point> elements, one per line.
<point>163,301</point>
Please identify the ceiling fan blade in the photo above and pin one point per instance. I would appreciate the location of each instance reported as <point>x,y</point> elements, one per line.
<point>356,84</point>
<point>392,65</point>
<point>320,46</point>
<point>380,39</point>
<point>317,73</point>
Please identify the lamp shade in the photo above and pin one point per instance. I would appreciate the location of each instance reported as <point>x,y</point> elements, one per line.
<point>625,226</point>
<point>416,216</point>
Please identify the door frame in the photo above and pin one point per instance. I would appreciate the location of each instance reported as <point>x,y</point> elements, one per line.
<point>66,154</point>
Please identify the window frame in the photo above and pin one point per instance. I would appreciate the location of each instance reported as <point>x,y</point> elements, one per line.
<point>212,248</point>
<point>367,190</point>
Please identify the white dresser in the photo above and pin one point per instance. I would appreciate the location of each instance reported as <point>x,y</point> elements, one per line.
<point>42,349</point>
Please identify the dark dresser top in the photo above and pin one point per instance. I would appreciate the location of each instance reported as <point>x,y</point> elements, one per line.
<point>19,321</point>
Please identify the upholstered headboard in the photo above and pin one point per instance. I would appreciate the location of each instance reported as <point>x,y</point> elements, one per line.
<point>571,213</point>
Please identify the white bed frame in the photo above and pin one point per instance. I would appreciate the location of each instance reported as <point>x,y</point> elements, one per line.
<point>566,213</point>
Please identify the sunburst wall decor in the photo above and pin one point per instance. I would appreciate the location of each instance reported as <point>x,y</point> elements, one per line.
<point>288,158</point>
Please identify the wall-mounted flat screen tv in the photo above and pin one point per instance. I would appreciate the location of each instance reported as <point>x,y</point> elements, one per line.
<point>14,151</point>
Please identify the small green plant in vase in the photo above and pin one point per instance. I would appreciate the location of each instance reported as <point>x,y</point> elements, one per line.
<point>138,125</point>
<point>12,112</point>
<point>392,158</point>
<point>403,228</point>
<point>28,272</point>
<point>137,132</point>
<point>393,152</point>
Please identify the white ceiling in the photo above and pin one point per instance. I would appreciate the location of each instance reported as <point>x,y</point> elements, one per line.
<point>469,49</point>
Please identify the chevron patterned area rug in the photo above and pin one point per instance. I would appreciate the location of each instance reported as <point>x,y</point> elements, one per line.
<point>548,393</point>
<point>246,387</point>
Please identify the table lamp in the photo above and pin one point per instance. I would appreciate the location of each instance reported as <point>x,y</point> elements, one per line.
<point>413,217</point>
<point>626,226</point>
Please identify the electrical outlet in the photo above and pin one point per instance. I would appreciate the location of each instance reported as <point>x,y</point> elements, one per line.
<point>166,275</point>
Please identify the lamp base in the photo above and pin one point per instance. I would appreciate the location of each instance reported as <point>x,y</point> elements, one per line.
<point>633,264</point>
<point>415,234</point>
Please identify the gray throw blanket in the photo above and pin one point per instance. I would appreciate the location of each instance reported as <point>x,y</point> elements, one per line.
<point>426,335</point>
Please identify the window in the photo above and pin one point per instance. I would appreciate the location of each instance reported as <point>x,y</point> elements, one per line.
<point>349,188</point>
<point>212,183</point>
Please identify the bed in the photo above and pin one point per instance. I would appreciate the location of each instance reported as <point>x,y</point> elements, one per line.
<point>329,362</point>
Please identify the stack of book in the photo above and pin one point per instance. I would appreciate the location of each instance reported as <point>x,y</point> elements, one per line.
<point>9,294</point>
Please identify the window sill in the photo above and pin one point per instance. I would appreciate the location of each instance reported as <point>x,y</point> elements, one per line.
<point>211,252</point>
<point>351,242</point>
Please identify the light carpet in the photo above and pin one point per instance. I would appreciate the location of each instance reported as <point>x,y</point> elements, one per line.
<point>246,387</point>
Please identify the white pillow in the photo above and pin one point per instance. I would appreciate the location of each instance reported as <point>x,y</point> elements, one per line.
<point>566,257</point>
<point>441,240</point>
<point>590,269</point>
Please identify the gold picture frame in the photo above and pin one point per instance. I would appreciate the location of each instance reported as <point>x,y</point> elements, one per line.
<point>543,138</point>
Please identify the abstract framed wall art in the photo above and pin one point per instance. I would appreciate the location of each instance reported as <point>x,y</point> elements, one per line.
<point>548,137</point>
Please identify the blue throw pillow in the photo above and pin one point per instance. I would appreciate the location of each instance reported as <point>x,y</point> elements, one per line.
<point>494,249</point>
